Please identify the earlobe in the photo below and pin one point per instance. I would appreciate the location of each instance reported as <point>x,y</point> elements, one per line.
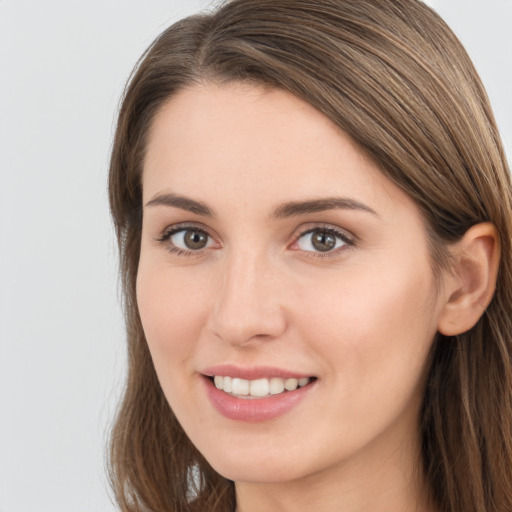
<point>470,288</point>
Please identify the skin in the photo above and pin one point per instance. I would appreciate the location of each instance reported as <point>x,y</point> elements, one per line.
<point>360,318</point>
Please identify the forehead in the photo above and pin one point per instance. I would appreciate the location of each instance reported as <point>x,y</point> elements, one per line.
<point>256,145</point>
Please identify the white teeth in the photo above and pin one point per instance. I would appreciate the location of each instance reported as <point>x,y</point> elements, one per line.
<point>240,387</point>
<point>291,384</point>
<point>258,387</point>
<point>227,385</point>
<point>218,381</point>
<point>276,386</point>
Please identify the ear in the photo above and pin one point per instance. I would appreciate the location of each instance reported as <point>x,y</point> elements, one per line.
<point>470,288</point>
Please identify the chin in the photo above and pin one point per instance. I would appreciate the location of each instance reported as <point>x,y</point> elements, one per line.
<point>249,472</point>
<point>258,464</point>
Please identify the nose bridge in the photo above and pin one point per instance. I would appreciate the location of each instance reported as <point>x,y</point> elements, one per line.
<point>248,304</point>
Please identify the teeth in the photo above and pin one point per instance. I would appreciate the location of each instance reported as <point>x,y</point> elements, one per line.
<point>227,384</point>
<point>239,387</point>
<point>258,387</point>
<point>276,386</point>
<point>291,384</point>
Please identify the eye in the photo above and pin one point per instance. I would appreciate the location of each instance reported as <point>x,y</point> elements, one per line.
<point>191,239</point>
<point>184,240</point>
<point>321,240</point>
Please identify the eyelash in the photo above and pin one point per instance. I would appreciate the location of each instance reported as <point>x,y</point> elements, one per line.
<point>347,240</point>
<point>166,235</point>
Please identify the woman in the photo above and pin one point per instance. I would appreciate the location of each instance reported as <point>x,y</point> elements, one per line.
<point>313,208</point>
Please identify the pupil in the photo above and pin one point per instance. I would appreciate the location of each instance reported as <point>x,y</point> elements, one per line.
<point>324,242</point>
<point>195,240</point>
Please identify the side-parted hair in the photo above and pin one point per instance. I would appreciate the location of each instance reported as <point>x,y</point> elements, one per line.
<point>393,76</point>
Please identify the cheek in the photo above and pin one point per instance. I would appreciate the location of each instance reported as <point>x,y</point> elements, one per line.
<point>375,328</point>
<point>171,312</point>
<point>374,341</point>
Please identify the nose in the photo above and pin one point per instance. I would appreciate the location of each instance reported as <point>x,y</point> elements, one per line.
<point>248,305</point>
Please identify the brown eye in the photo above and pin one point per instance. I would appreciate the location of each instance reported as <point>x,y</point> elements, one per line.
<point>190,239</point>
<point>195,240</point>
<point>321,241</point>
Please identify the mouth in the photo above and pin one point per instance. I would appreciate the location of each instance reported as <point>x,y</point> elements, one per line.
<point>256,393</point>
<point>258,388</point>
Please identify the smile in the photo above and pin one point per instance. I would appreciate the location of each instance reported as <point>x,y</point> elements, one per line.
<point>256,397</point>
<point>258,388</point>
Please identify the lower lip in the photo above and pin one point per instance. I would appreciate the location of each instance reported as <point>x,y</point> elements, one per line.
<point>255,409</point>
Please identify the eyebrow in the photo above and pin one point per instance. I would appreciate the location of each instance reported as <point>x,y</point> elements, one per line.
<point>289,209</point>
<point>295,208</point>
<point>184,203</point>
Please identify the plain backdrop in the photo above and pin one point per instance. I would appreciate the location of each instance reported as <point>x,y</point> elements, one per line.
<point>63,65</point>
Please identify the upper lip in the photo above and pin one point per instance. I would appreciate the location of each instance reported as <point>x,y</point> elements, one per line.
<point>251,372</point>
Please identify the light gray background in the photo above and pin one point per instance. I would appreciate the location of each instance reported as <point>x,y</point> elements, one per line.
<point>63,65</point>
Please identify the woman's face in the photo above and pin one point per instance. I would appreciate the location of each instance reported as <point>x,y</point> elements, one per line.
<point>274,253</point>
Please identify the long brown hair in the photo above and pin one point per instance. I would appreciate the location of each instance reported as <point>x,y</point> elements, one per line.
<point>393,76</point>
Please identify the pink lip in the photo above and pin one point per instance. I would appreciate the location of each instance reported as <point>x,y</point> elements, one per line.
<point>254,410</point>
<point>252,373</point>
